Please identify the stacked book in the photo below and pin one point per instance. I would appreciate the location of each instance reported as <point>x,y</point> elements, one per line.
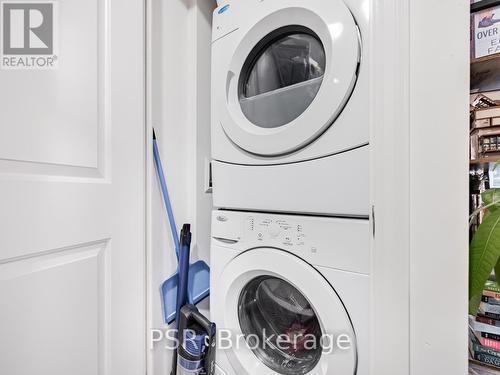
<point>485,328</point>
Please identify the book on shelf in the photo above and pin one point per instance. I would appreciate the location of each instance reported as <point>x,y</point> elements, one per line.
<point>492,286</point>
<point>490,300</point>
<point>489,293</point>
<point>489,315</point>
<point>489,321</point>
<point>490,343</point>
<point>482,353</point>
<point>488,359</point>
<point>484,333</point>
<point>485,307</point>
<point>479,326</point>
<point>489,306</point>
<point>477,348</point>
<point>492,336</point>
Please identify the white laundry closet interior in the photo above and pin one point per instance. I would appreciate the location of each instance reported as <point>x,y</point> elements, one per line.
<point>394,171</point>
<point>179,110</point>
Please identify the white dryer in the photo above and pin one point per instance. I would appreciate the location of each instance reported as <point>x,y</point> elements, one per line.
<point>290,125</point>
<point>290,277</point>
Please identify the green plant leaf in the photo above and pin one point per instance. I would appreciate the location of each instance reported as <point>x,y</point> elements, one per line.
<point>483,257</point>
<point>491,198</point>
<point>497,270</point>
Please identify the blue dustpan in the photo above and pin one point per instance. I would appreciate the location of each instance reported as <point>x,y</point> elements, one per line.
<point>199,272</point>
<point>198,289</point>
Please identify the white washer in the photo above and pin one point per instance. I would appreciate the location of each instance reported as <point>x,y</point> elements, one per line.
<point>290,125</point>
<point>290,275</point>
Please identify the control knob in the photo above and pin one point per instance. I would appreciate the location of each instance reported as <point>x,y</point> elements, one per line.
<point>274,230</point>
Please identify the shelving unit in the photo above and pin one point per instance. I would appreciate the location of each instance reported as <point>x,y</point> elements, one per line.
<point>484,59</point>
<point>485,77</point>
<point>483,161</point>
<point>484,66</point>
<point>496,127</point>
<point>482,5</point>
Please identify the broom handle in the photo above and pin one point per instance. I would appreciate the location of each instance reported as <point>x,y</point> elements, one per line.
<point>166,197</point>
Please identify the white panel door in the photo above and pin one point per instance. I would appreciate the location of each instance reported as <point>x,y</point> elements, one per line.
<point>72,199</point>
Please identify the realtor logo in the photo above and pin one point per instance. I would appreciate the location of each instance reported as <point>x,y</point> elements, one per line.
<point>28,35</point>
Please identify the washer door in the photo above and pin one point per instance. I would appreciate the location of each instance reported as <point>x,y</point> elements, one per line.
<point>290,76</point>
<point>287,317</point>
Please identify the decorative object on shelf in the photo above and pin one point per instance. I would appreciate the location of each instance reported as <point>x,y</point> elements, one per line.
<point>483,107</point>
<point>482,101</point>
<point>485,143</point>
<point>485,126</point>
<point>486,35</point>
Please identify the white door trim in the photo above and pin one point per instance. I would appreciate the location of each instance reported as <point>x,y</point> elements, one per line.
<point>390,140</point>
<point>419,194</point>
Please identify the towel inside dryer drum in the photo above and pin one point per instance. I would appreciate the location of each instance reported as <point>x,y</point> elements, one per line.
<point>292,59</point>
<point>283,79</point>
<point>270,307</point>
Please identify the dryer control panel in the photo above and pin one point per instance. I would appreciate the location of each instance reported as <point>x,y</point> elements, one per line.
<point>324,241</point>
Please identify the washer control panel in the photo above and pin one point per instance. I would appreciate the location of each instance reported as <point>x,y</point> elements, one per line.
<point>283,231</point>
<point>325,241</point>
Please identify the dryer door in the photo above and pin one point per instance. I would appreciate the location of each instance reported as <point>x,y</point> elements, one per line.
<point>284,317</point>
<point>290,74</point>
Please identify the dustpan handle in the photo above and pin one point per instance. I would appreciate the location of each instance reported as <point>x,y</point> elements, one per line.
<point>166,197</point>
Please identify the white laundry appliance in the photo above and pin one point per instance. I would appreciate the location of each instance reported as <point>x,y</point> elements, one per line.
<point>290,90</point>
<point>290,277</point>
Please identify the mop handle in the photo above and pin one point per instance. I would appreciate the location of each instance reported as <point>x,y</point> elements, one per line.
<point>166,197</point>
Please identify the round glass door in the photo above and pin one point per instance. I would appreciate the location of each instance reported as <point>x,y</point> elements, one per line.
<point>281,311</point>
<point>286,75</point>
<point>281,76</point>
<point>280,325</point>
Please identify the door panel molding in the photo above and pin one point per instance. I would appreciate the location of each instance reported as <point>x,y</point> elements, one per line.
<point>63,288</point>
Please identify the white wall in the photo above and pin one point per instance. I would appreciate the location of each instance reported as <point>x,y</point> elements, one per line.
<point>179,110</point>
<point>439,166</point>
<point>202,54</point>
<point>420,78</point>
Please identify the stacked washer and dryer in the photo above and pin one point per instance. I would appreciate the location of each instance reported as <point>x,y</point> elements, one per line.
<point>290,254</point>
